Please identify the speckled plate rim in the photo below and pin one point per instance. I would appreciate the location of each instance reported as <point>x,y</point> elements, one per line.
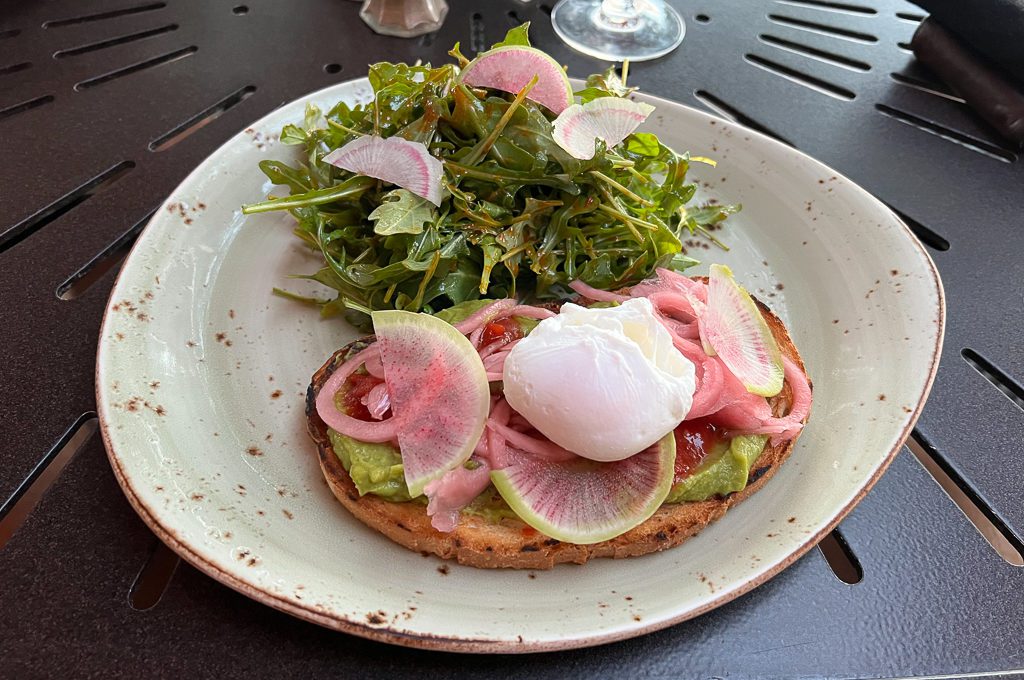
<point>482,645</point>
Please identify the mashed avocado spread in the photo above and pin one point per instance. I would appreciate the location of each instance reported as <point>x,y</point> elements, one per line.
<point>377,468</point>
<point>724,471</point>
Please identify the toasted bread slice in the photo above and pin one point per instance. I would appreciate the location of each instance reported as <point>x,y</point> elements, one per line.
<point>511,543</point>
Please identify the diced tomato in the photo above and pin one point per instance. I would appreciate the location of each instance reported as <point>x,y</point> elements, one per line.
<point>506,330</point>
<point>694,441</point>
<point>355,388</point>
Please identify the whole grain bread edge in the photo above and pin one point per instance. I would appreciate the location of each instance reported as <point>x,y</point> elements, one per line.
<point>510,543</point>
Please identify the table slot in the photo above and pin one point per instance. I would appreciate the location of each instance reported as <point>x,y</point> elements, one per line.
<point>204,117</point>
<point>800,77</point>
<point>16,509</point>
<point>840,558</point>
<point>980,514</point>
<point>160,60</point>
<point>927,236</point>
<point>151,583</point>
<point>102,16</point>
<point>730,112</point>
<point>828,6</point>
<point>820,55</point>
<point>102,262</point>
<point>27,105</point>
<point>113,42</point>
<point>14,68</point>
<point>65,203</point>
<point>840,32</point>
<point>995,375</point>
<point>967,141</point>
<point>926,86</point>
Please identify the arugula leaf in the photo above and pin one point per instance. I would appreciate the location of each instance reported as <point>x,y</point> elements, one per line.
<point>402,212</point>
<point>293,134</point>
<point>607,84</point>
<point>519,217</point>
<point>644,143</point>
<point>520,35</point>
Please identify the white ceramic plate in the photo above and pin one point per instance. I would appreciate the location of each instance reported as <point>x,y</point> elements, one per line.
<point>202,374</point>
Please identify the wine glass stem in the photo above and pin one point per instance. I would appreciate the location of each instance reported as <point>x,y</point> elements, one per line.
<point>619,15</point>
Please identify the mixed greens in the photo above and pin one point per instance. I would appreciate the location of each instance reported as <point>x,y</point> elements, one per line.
<point>519,217</point>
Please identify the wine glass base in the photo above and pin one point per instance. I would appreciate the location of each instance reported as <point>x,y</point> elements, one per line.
<point>657,30</point>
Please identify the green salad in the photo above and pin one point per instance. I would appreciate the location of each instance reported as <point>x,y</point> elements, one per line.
<point>519,216</point>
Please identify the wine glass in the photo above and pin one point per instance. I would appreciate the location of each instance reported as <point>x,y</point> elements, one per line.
<point>619,30</point>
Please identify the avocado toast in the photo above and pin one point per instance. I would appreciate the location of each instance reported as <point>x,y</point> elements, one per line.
<point>488,534</point>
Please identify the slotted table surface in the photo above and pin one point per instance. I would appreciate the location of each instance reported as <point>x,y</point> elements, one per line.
<point>105,105</point>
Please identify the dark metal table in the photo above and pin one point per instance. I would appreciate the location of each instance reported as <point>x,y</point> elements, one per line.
<point>105,105</point>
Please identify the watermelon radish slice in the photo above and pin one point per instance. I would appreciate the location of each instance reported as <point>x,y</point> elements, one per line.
<point>583,501</point>
<point>393,160</point>
<point>732,324</point>
<point>511,68</point>
<point>611,119</point>
<point>439,393</point>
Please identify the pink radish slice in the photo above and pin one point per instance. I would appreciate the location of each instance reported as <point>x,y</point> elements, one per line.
<point>596,294</point>
<point>394,160</point>
<point>512,67</point>
<point>611,119</point>
<point>439,393</point>
<point>583,501</point>
<point>733,325</point>
<point>362,430</point>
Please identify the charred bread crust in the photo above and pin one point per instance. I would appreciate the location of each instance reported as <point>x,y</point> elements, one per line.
<point>510,543</point>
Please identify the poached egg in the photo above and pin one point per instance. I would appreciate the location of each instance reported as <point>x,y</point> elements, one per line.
<point>604,383</point>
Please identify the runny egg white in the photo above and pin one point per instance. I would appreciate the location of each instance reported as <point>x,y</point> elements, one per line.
<point>604,383</point>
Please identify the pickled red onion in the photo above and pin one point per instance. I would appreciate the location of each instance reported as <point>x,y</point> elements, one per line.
<point>454,491</point>
<point>366,431</point>
<point>377,401</point>
<point>483,315</point>
<point>524,442</point>
<point>496,446</point>
<point>374,366</point>
<point>596,294</point>
<point>530,312</point>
